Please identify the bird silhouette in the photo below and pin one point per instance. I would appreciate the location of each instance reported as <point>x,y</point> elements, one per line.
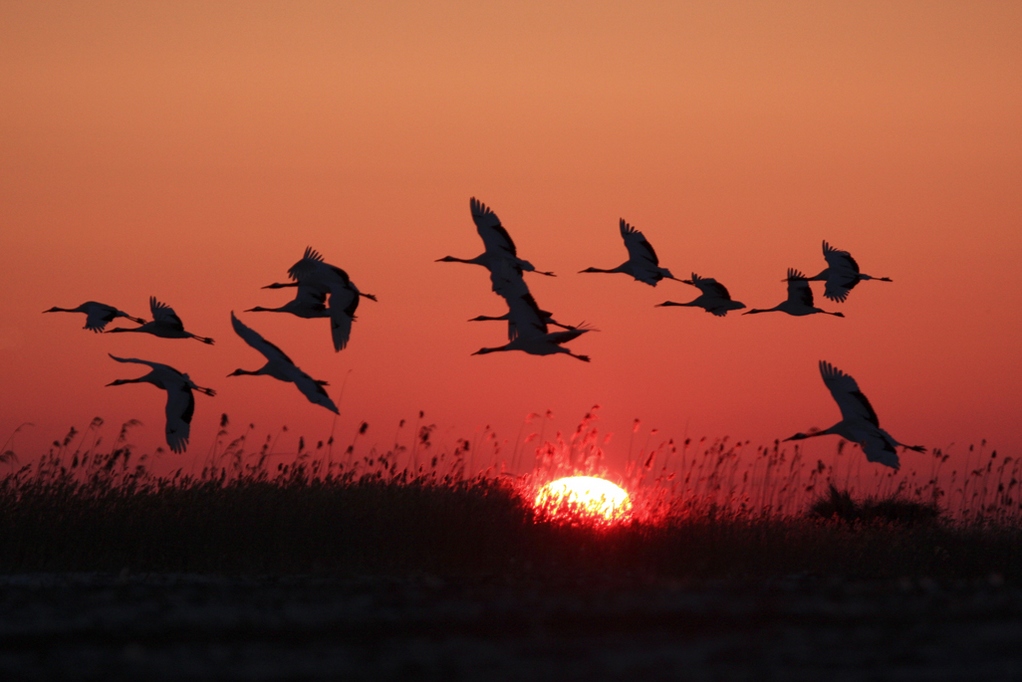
<point>859,422</point>
<point>317,275</point>
<point>180,401</point>
<point>642,264</point>
<point>799,301</point>
<point>498,245</point>
<point>97,315</point>
<point>166,324</point>
<point>531,334</point>
<point>280,366</point>
<point>841,274</point>
<point>713,299</point>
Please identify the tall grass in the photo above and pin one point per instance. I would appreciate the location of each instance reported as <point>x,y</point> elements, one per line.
<point>700,509</point>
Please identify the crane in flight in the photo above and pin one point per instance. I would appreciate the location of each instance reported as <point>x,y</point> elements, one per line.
<point>497,243</point>
<point>280,366</point>
<point>531,334</point>
<point>317,275</point>
<point>642,264</point>
<point>799,301</point>
<point>714,297</point>
<point>166,324</point>
<point>859,422</point>
<point>97,315</point>
<point>841,274</point>
<point>180,401</point>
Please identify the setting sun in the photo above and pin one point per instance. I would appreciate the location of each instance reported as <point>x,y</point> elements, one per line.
<point>584,497</point>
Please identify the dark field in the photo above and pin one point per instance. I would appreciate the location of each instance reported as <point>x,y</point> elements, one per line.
<point>313,572</point>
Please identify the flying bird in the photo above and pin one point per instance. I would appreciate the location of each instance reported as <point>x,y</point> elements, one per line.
<point>799,301</point>
<point>531,334</point>
<point>280,366</point>
<point>497,243</point>
<point>166,324</point>
<point>841,274</point>
<point>97,315</point>
<point>313,272</point>
<point>859,422</point>
<point>180,401</point>
<point>713,299</point>
<point>642,264</point>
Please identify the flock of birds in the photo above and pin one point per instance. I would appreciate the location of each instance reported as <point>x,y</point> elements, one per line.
<point>325,291</point>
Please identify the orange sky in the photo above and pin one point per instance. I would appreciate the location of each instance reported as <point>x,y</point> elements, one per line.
<point>192,150</point>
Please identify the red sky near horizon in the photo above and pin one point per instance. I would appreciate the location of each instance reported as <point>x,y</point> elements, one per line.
<point>192,150</point>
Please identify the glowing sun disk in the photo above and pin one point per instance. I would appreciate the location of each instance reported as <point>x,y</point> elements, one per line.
<point>584,496</point>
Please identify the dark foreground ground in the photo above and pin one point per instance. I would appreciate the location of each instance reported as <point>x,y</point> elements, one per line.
<point>176,627</point>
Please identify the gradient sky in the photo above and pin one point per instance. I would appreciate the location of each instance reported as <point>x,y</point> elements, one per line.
<point>192,150</point>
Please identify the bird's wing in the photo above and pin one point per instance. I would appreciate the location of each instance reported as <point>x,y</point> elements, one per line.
<point>524,314</point>
<point>841,260</point>
<point>495,238</point>
<point>152,365</point>
<point>838,285</point>
<point>180,408</point>
<point>639,250</point>
<point>850,400</point>
<point>880,447</point>
<point>711,287</point>
<point>308,264</point>
<point>799,290</point>
<point>340,324</point>
<point>506,279</point>
<point>98,315</point>
<point>313,390</point>
<point>164,314</point>
<point>255,339</point>
<point>311,296</point>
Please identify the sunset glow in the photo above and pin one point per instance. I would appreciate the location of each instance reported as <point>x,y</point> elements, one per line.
<point>584,497</point>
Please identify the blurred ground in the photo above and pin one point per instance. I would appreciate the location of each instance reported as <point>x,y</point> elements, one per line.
<point>175,627</point>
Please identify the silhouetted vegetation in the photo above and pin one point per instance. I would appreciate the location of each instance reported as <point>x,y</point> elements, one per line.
<point>412,510</point>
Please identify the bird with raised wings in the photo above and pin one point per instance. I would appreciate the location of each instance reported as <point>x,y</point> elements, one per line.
<point>499,248</point>
<point>280,366</point>
<point>314,273</point>
<point>841,274</point>
<point>713,299</point>
<point>166,324</point>
<point>859,422</point>
<point>97,315</point>
<point>180,401</point>
<point>531,334</point>
<point>642,264</point>
<point>799,301</point>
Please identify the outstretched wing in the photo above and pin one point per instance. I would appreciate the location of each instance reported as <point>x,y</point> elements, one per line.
<point>308,264</point>
<point>710,287</point>
<point>799,290</point>
<point>639,250</point>
<point>850,400</point>
<point>313,390</point>
<point>98,315</point>
<point>164,314</point>
<point>180,408</point>
<point>495,238</point>
<point>842,275</point>
<point>151,365</point>
<point>836,258</point>
<point>880,447</point>
<point>255,339</point>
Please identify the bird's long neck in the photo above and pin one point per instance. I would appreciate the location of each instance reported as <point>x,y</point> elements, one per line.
<point>141,380</point>
<point>485,318</point>
<point>776,308</point>
<point>62,310</point>
<point>124,329</point>
<point>667,304</point>
<point>453,259</point>
<point>260,309</point>
<point>619,268</point>
<point>204,339</point>
<point>251,373</point>
<point>877,279</point>
<point>822,277</point>
<point>280,285</point>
